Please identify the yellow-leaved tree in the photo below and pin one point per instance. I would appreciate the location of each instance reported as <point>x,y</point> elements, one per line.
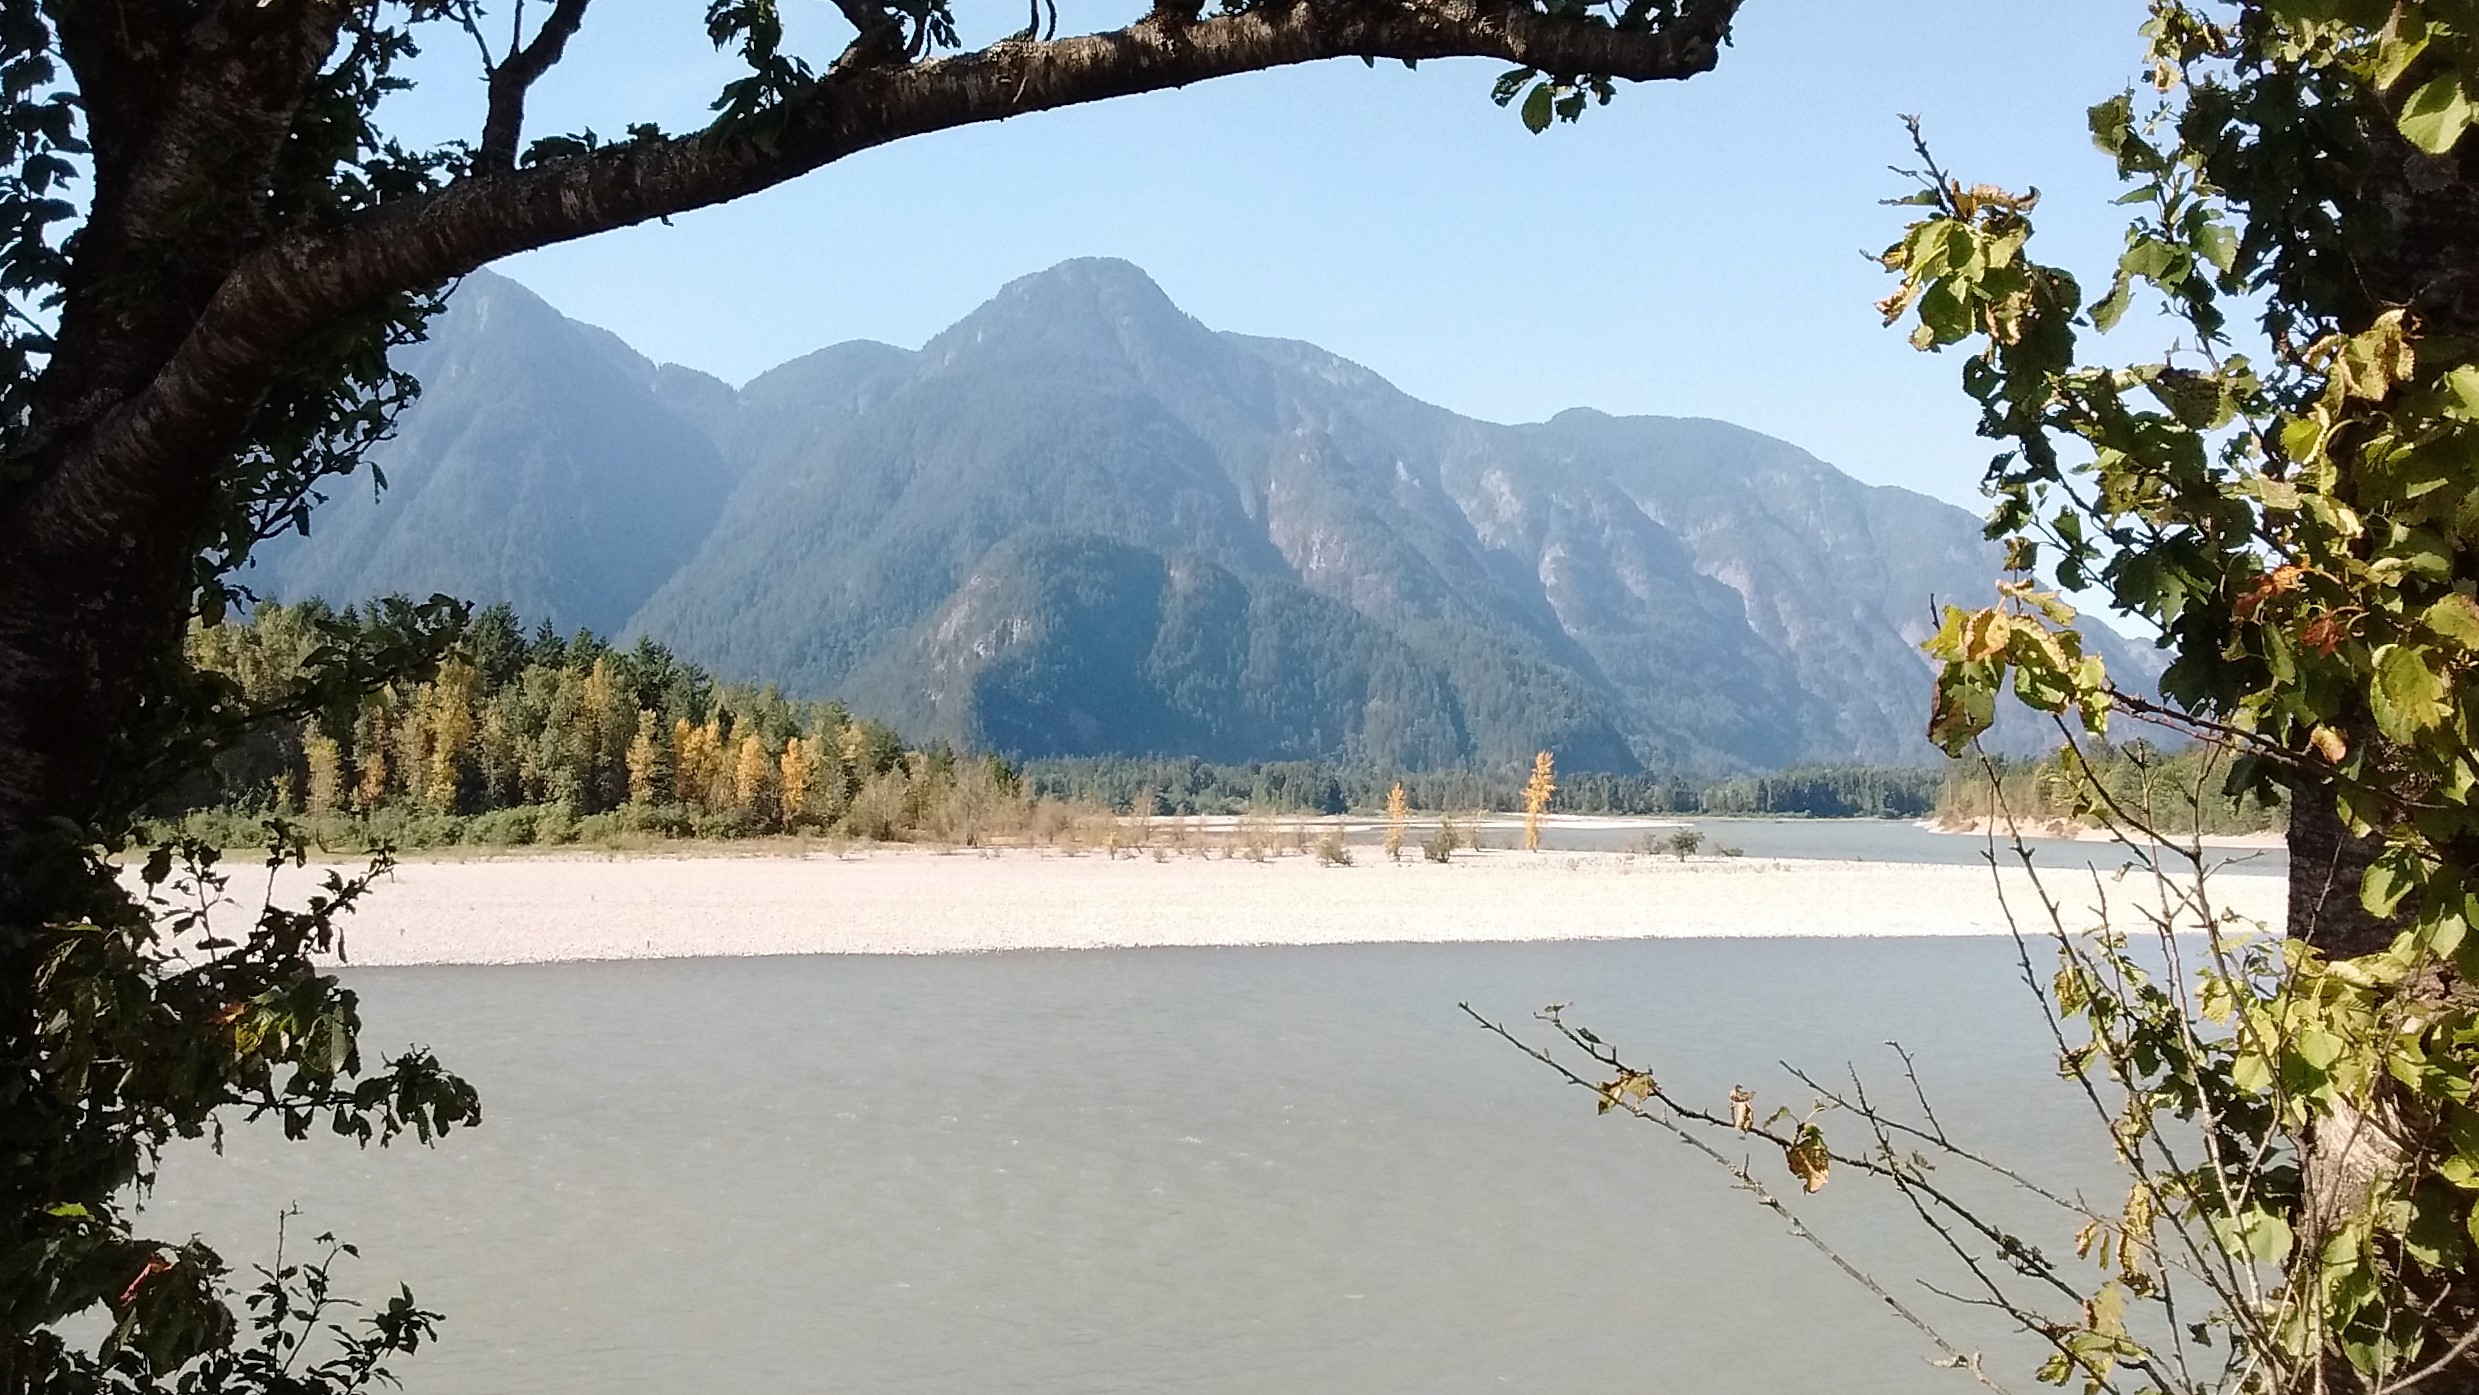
<point>1537,793</point>
<point>370,740</point>
<point>644,760</point>
<point>1398,813</point>
<point>749,774</point>
<point>687,776</point>
<point>325,762</point>
<point>449,724</point>
<point>793,794</point>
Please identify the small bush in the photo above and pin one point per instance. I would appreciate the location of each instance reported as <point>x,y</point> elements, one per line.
<point>507,828</point>
<point>1331,849</point>
<point>1684,843</point>
<point>1441,848</point>
<point>722,823</point>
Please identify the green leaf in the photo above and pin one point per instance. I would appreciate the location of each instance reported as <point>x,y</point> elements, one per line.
<point>2397,48</point>
<point>2112,122</point>
<point>2108,1308</point>
<point>2267,1236</point>
<point>2407,697</point>
<point>1536,110</point>
<point>2445,935</point>
<point>2219,245</point>
<point>2107,312</point>
<point>2391,877</point>
<point>2455,618</point>
<point>2463,383</point>
<point>2437,114</point>
<point>1966,704</point>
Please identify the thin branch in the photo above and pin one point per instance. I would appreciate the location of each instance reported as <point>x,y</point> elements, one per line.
<point>503,123</point>
<point>2452,1354</point>
<point>1955,1357</point>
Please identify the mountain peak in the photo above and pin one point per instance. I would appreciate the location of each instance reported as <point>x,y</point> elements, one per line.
<point>1111,282</point>
<point>1091,311</point>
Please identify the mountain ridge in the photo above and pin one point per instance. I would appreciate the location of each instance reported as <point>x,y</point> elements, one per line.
<point>1079,521</point>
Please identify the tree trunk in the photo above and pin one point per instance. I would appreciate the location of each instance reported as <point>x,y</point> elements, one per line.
<point>2327,863</point>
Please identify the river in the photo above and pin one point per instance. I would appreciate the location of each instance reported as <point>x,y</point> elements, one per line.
<point>1296,1171</point>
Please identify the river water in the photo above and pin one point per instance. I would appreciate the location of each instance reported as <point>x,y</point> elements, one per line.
<point>1280,1170</point>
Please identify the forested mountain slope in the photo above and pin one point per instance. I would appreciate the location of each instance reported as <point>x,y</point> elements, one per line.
<point>1080,522</point>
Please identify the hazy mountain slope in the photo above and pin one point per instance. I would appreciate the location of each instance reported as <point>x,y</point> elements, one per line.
<point>1071,644</point>
<point>1083,400</point>
<point>1079,521</point>
<point>543,466</point>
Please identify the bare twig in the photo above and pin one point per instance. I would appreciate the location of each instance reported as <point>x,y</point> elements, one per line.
<point>1955,1357</point>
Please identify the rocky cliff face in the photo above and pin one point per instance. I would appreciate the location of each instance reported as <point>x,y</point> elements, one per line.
<point>1079,521</point>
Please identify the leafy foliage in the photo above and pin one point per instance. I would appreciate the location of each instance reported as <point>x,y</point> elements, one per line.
<point>2297,525</point>
<point>527,736</point>
<point>164,1023</point>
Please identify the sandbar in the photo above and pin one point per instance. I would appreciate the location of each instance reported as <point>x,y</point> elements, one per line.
<point>899,900</point>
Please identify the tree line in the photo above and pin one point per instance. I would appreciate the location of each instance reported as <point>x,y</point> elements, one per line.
<point>530,736</point>
<point>2178,792</point>
<point>525,735</point>
<point>1183,786</point>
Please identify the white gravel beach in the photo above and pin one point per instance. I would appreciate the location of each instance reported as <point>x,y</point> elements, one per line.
<point>918,901</point>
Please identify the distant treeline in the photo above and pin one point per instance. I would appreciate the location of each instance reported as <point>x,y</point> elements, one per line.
<point>528,736</point>
<point>1163,786</point>
<point>2177,792</point>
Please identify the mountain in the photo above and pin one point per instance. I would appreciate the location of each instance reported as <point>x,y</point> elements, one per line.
<point>546,464</point>
<point>1080,522</point>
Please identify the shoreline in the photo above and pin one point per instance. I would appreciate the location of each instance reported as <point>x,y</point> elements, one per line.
<point>2065,831</point>
<point>583,906</point>
<point>1177,830</point>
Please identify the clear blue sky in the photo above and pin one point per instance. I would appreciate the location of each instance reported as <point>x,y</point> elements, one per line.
<point>1692,249</point>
